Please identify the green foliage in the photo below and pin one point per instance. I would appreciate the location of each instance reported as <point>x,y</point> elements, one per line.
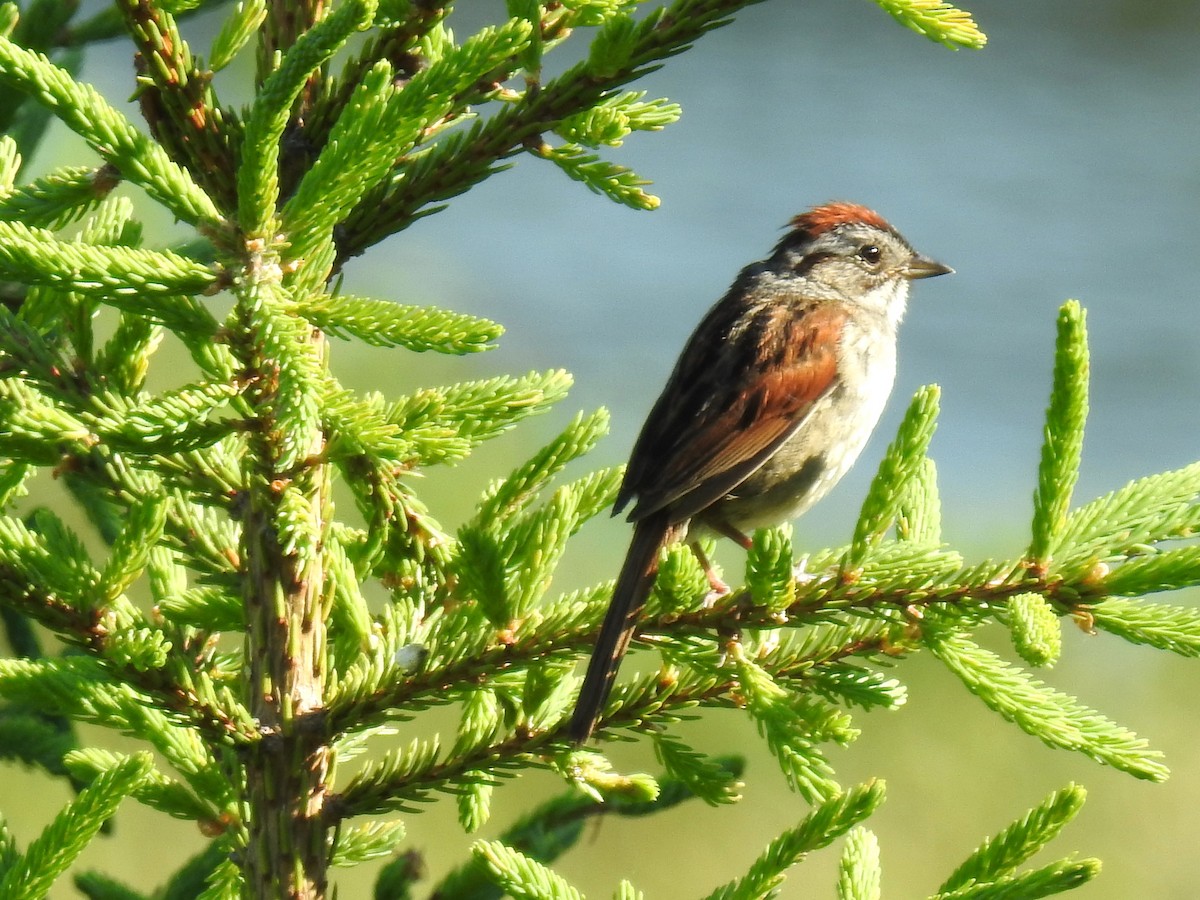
<point>1055,718</point>
<point>902,464</point>
<point>1055,878</point>
<point>56,199</point>
<point>31,874</point>
<point>258,176</point>
<point>110,134</point>
<point>237,31</point>
<point>386,324</point>
<point>1172,628</point>
<point>34,256</point>
<point>208,603</point>
<point>792,727</point>
<point>858,874</point>
<point>520,876</point>
<point>1036,630</point>
<point>1129,523</point>
<point>769,568</point>
<point>681,583</point>
<point>1063,446</point>
<point>703,777</point>
<point>156,790</point>
<point>610,122</point>
<point>381,123</point>
<point>509,551</point>
<point>828,821</point>
<point>938,21</point>
<point>998,857</point>
<point>608,179</point>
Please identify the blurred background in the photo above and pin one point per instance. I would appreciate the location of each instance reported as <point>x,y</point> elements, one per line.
<point>1059,162</point>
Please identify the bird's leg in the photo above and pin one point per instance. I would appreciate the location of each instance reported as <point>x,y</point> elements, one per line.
<point>729,636</point>
<point>718,588</point>
<point>726,531</point>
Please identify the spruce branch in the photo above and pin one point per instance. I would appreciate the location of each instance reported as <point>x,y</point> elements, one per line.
<point>383,323</point>
<point>939,21</point>
<point>178,102</point>
<point>380,124</point>
<point>702,777</point>
<point>521,876</point>
<point>31,874</point>
<point>225,882</point>
<point>258,175</point>
<point>1055,718</point>
<point>1063,447</point>
<point>1055,878</point>
<point>157,790</point>
<point>95,886</point>
<point>117,275</point>
<point>36,739</point>
<point>608,179</point>
<point>40,22</point>
<point>858,873</point>
<point>285,24</point>
<point>110,134</point>
<point>792,728</point>
<point>1173,628</point>
<point>1122,524</point>
<point>999,856</point>
<point>58,198</point>
<point>623,51</point>
<point>552,828</point>
<point>903,462</point>
<point>401,37</point>
<point>827,822</point>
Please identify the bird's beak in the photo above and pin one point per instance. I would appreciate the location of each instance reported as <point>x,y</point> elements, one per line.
<point>924,267</point>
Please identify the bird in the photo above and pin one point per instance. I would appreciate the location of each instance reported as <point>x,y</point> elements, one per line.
<point>770,403</point>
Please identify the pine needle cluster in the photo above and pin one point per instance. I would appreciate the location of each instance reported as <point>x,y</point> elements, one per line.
<point>225,622</point>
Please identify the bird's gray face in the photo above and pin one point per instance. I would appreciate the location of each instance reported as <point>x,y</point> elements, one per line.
<point>868,266</point>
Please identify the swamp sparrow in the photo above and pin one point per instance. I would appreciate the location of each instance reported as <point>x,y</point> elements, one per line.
<point>769,405</point>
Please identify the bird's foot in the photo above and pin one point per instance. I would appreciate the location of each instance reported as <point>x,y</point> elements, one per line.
<point>800,573</point>
<point>717,590</point>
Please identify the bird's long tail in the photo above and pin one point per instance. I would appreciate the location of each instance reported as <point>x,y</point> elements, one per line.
<point>629,596</point>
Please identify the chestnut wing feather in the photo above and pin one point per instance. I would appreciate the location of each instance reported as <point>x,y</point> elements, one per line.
<point>717,422</point>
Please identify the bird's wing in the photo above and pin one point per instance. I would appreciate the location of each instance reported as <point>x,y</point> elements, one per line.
<point>719,419</point>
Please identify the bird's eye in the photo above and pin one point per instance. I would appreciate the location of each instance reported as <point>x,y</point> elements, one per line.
<point>869,254</point>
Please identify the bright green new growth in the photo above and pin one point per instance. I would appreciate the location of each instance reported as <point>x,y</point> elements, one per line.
<point>828,821</point>
<point>258,176</point>
<point>28,876</point>
<point>110,134</point>
<point>1036,630</point>
<point>211,605</point>
<point>1063,447</point>
<point>999,856</point>
<point>859,874</point>
<point>239,28</point>
<point>521,876</point>
<point>938,21</point>
<point>902,464</point>
<point>1055,718</point>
